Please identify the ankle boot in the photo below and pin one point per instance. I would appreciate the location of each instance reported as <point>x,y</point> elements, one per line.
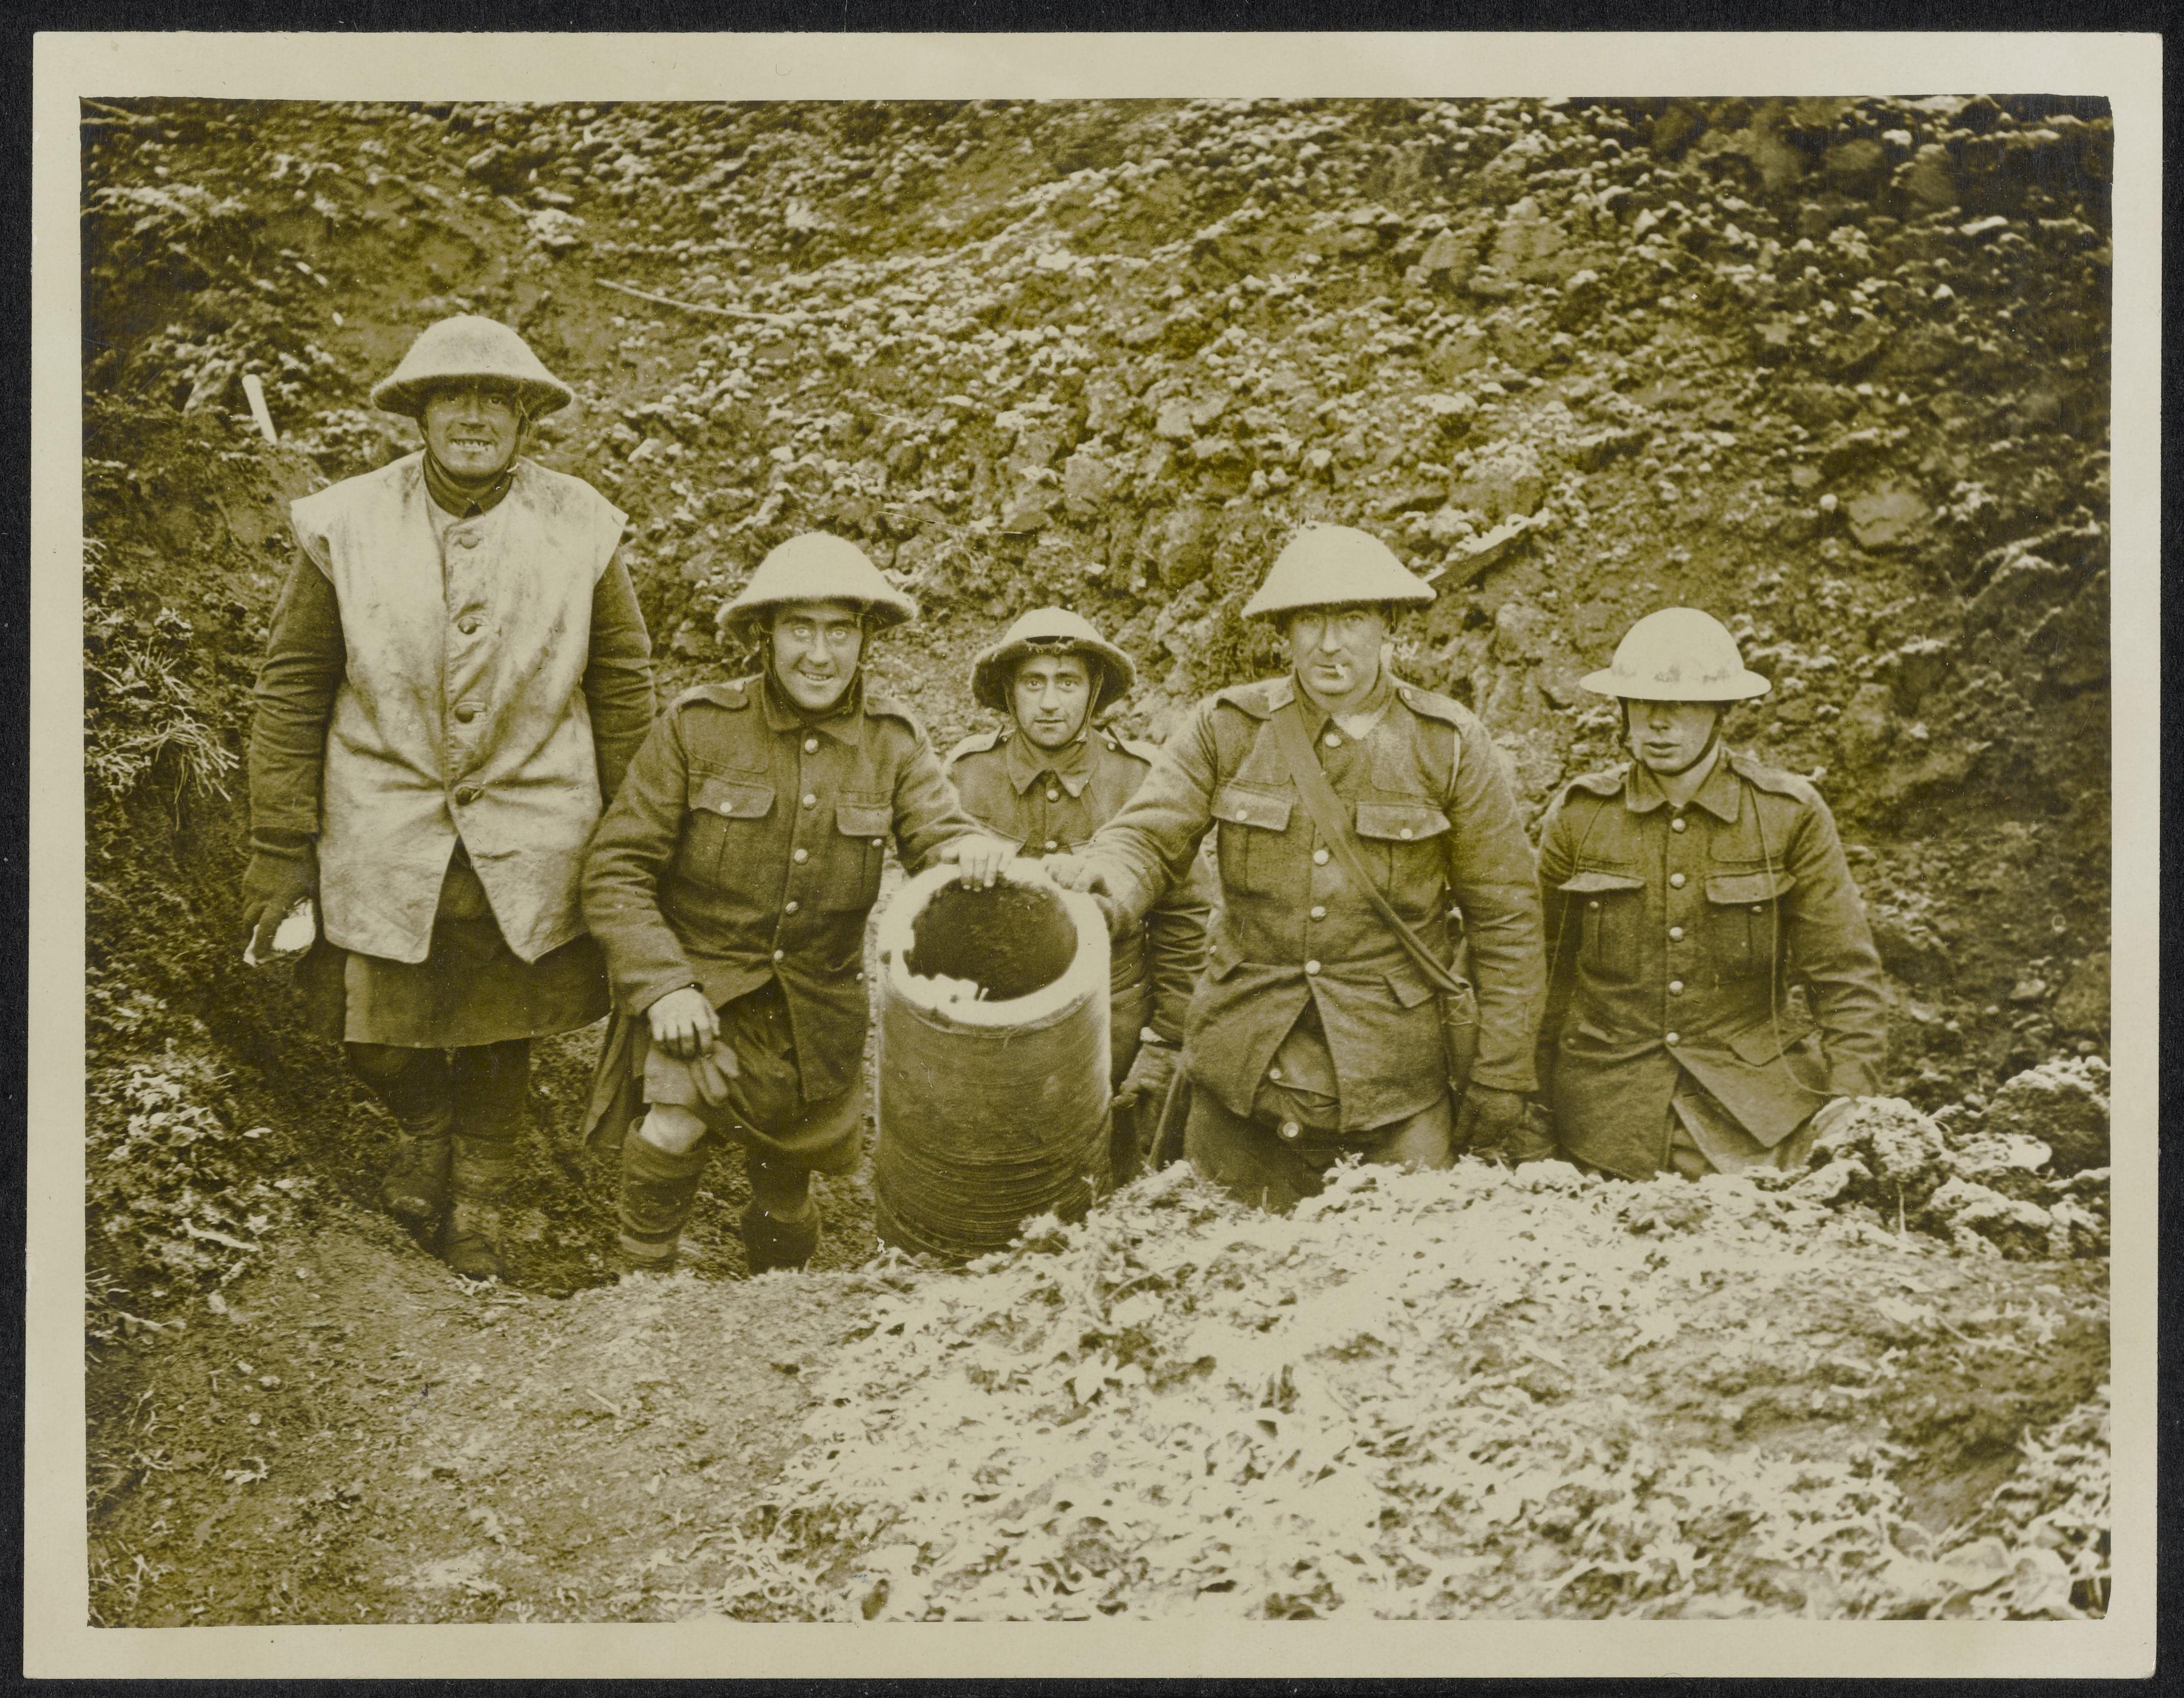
<point>415,1187</point>
<point>657,1190</point>
<point>484,1168</point>
<point>771,1241</point>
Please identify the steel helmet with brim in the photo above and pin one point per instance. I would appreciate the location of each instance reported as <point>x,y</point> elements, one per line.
<point>814,567</point>
<point>1050,630</point>
<point>470,350</point>
<point>1335,565</point>
<point>1677,654</point>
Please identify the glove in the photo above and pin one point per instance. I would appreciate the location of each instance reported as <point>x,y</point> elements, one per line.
<point>1145,1087</point>
<point>275,882</point>
<point>713,1072</point>
<point>1494,1124</point>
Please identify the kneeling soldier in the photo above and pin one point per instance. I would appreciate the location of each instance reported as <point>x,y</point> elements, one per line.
<point>729,885</point>
<point>1684,894</point>
<point>1046,782</point>
<point>1353,809</point>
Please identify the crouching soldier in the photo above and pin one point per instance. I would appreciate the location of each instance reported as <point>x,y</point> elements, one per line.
<point>1046,782</point>
<point>456,676</point>
<point>729,885</point>
<point>1353,810</point>
<point>1684,893</point>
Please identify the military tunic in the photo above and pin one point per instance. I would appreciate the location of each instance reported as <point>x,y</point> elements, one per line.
<point>1677,934</point>
<point>743,852</point>
<point>1296,949</point>
<point>1051,801</point>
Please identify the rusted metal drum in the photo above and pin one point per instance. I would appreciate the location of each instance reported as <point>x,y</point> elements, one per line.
<point>993,1064</point>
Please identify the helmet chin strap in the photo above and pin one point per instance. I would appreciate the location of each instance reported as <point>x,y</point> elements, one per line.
<point>1712,743</point>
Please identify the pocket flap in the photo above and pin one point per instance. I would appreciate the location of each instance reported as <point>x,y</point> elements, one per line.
<point>1593,878</point>
<point>1268,811</point>
<point>1401,822</point>
<point>1763,886</point>
<point>864,819</point>
<point>1760,1044</point>
<point>738,801</point>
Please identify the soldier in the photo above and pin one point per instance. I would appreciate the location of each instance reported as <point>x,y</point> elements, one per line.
<point>729,885</point>
<point>456,676</point>
<point>1352,809</point>
<point>1046,782</point>
<point>1683,894</point>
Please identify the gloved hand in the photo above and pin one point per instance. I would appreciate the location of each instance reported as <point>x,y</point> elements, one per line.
<point>713,1072</point>
<point>683,1023</point>
<point>1492,1124</point>
<point>274,883</point>
<point>1145,1087</point>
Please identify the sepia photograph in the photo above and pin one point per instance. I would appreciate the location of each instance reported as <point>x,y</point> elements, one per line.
<point>1195,859</point>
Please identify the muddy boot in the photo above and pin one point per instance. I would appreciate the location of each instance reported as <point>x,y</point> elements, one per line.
<point>483,1170</point>
<point>770,1242</point>
<point>416,1187</point>
<point>657,1190</point>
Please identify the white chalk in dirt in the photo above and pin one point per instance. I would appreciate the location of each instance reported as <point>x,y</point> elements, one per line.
<point>993,1059</point>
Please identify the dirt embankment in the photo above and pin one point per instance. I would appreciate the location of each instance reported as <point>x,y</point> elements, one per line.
<point>1835,369</point>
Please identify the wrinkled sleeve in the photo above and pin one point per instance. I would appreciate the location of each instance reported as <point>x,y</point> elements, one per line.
<point>1831,950</point>
<point>1492,874</point>
<point>305,661</point>
<point>1145,850</point>
<point>1556,865</point>
<point>631,852</point>
<point>1175,945</point>
<point>929,813</point>
<point>618,676</point>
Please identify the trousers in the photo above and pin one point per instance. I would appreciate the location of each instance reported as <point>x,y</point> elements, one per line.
<point>1275,1165</point>
<point>477,1091</point>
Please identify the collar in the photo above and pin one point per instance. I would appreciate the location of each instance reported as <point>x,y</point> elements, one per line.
<point>449,496</point>
<point>1315,717</point>
<point>1028,762</point>
<point>1718,794</point>
<point>842,721</point>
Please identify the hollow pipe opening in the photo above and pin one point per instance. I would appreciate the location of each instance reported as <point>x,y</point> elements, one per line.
<point>1010,940</point>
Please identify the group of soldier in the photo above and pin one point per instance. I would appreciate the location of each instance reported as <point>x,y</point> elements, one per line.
<point>456,757</point>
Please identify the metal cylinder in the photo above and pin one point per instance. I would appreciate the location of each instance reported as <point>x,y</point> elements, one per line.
<point>993,1063</point>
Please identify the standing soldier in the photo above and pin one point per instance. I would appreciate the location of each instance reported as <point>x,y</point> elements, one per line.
<point>1685,893</point>
<point>1046,782</point>
<point>457,675</point>
<point>1353,809</point>
<point>729,885</point>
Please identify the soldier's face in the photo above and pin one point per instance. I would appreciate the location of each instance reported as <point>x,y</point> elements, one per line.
<point>1336,650</point>
<point>1052,694</point>
<point>472,429</point>
<point>1668,737</point>
<point>816,645</point>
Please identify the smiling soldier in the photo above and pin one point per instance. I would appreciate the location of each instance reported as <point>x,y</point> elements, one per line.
<point>1684,893</point>
<point>1354,811</point>
<point>457,675</point>
<point>1047,781</point>
<point>729,885</point>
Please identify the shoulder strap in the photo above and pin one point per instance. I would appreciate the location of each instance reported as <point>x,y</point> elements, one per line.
<point>1333,820</point>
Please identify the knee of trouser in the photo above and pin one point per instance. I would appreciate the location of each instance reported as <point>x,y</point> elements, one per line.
<point>669,1129</point>
<point>492,1083</point>
<point>413,1083</point>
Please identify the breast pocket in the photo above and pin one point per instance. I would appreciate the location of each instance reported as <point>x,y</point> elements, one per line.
<point>1251,821</point>
<point>1405,845</point>
<point>1609,908</point>
<point>1744,921</point>
<point>721,826</point>
<point>862,824</point>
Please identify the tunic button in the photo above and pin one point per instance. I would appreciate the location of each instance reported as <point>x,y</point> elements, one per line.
<point>788,907</point>
<point>810,745</point>
<point>1677,880</point>
<point>879,842</point>
<point>467,626</point>
<point>1273,1072</point>
<point>467,713</point>
<point>1759,908</point>
<point>1318,912</point>
<point>1290,1128</point>
<point>1675,931</point>
<point>1673,1038</point>
<point>467,542</point>
<point>801,855</point>
<point>781,954</point>
<point>1312,966</point>
<point>1054,795</point>
<point>1242,814</point>
<point>1405,832</point>
<point>1594,903</point>
<point>466,797</point>
<point>1052,844</point>
<point>810,800</point>
<point>1333,741</point>
<point>1675,987</point>
<point>1676,824</point>
<point>1319,857</point>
